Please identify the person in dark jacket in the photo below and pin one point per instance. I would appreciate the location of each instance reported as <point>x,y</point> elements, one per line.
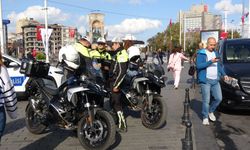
<point>118,70</point>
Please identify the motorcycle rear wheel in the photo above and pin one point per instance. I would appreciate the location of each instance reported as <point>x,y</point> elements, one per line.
<point>32,121</point>
<point>101,135</point>
<point>155,116</point>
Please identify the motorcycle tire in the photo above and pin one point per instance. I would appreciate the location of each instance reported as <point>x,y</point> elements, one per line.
<point>154,117</point>
<point>101,135</point>
<point>30,121</point>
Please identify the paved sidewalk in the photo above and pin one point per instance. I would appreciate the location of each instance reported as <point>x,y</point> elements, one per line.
<point>169,137</point>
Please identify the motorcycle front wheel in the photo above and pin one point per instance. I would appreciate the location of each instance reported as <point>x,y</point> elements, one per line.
<point>154,116</point>
<point>33,121</point>
<point>98,136</point>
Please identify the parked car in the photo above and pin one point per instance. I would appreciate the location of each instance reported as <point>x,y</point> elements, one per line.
<point>20,80</point>
<point>235,57</point>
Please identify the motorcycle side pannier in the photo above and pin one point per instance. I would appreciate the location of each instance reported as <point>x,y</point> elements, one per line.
<point>34,68</point>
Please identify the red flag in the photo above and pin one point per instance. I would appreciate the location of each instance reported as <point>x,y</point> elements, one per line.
<point>170,23</point>
<point>34,53</point>
<point>38,33</point>
<point>71,32</point>
<point>242,19</point>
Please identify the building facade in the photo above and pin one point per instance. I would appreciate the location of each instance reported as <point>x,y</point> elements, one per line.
<point>199,18</point>
<point>60,36</point>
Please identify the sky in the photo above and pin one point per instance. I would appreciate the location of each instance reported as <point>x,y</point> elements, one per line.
<point>141,18</point>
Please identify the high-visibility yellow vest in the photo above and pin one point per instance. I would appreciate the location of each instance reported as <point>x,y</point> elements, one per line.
<point>94,54</point>
<point>82,49</point>
<point>105,56</point>
<point>122,56</point>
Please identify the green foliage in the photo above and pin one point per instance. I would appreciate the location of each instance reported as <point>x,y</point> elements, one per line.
<point>163,39</point>
<point>40,56</point>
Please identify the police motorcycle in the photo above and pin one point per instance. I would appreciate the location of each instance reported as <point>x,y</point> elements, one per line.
<point>140,94</point>
<point>70,106</point>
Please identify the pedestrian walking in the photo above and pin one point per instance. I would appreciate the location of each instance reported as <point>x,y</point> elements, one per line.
<point>174,64</point>
<point>8,99</point>
<point>209,71</point>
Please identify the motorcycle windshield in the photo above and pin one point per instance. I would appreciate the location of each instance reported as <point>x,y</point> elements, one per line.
<point>95,72</point>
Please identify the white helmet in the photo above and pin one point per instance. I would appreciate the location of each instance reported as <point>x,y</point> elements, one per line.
<point>101,40</point>
<point>129,37</point>
<point>70,56</point>
<point>116,40</point>
<point>133,51</point>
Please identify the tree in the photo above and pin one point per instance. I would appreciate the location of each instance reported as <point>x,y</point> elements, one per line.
<point>236,34</point>
<point>166,39</point>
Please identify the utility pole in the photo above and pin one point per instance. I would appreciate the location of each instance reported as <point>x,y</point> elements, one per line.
<point>180,15</point>
<point>243,13</point>
<point>1,29</point>
<point>248,19</point>
<point>46,32</point>
<point>225,26</point>
<point>184,32</point>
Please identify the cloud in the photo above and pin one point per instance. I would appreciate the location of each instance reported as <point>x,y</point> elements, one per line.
<point>227,5</point>
<point>132,26</point>
<point>37,13</point>
<point>82,24</point>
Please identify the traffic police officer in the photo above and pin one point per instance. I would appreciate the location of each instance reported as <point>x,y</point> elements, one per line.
<point>83,46</point>
<point>117,73</point>
<point>105,59</point>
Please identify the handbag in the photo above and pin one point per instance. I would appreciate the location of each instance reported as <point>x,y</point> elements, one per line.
<point>191,70</point>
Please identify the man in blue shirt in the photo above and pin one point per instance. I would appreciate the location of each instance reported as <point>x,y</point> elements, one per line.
<point>209,71</point>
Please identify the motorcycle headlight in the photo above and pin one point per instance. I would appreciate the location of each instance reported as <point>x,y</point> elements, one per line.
<point>232,82</point>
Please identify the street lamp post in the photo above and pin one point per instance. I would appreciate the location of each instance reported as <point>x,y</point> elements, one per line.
<point>1,29</point>
<point>46,30</point>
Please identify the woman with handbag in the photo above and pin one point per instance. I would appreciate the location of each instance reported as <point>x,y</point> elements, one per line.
<point>174,64</point>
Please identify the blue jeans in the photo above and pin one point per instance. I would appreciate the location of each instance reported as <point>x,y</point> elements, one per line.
<point>2,120</point>
<point>212,86</point>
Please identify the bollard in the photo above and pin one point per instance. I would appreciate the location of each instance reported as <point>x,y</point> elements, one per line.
<point>188,143</point>
<point>187,98</point>
<point>185,117</point>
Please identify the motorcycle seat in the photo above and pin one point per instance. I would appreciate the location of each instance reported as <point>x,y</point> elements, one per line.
<point>51,90</point>
<point>48,86</point>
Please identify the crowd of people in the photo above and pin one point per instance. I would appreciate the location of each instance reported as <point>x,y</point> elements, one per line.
<point>110,63</point>
<point>107,63</point>
<point>114,64</point>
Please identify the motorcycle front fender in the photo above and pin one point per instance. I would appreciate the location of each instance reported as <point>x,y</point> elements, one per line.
<point>74,90</point>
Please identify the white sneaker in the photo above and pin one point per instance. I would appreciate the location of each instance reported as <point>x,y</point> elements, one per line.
<point>205,122</point>
<point>212,117</point>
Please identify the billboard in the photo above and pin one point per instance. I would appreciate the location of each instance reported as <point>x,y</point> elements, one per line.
<point>205,34</point>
